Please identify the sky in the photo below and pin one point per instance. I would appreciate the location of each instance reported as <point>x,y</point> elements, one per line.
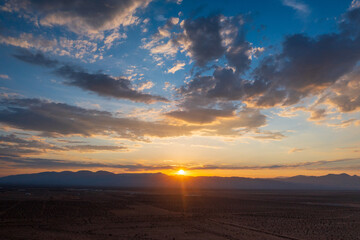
<point>226,88</point>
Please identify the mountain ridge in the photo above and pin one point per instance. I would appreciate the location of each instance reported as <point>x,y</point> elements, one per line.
<point>85,178</point>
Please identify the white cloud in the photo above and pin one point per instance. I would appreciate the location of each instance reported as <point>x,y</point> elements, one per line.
<point>28,40</point>
<point>145,85</point>
<point>178,66</point>
<point>298,6</point>
<point>167,49</point>
<point>109,40</point>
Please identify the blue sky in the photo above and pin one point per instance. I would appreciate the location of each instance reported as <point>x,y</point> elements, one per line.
<point>246,88</point>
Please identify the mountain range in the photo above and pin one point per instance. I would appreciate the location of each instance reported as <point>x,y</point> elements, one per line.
<point>160,180</point>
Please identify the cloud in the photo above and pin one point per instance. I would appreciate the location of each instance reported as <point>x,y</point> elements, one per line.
<point>97,25</point>
<point>178,66</point>
<point>205,39</point>
<point>4,76</point>
<point>105,85</point>
<point>318,63</point>
<point>36,59</point>
<point>14,145</point>
<point>145,85</point>
<point>156,45</point>
<point>202,39</point>
<point>294,150</point>
<point>167,49</point>
<point>11,145</point>
<point>300,7</point>
<point>245,121</point>
<point>306,66</point>
<point>80,16</point>
<point>209,91</point>
<point>51,119</point>
<point>175,1</point>
<point>267,135</point>
<point>344,123</point>
<point>344,93</point>
<point>79,48</point>
<point>168,86</point>
<point>94,148</point>
<point>201,115</point>
<point>209,38</point>
<point>223,84</point>
<point>317,114</point>
<point>99,83</point>
<point>28,40</point>
<point>110,39</point>
<point>42,163</point>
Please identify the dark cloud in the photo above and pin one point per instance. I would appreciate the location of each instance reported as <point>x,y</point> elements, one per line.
<point>105,85</point>
<point>239,52</point>
<point>99,83</point>
<point>94,148</point>
<point>306,66</point>
<point>238,55</point>
<point>350,22</point>
<point>36,59</point>
<point>203,35</point>
<point>223,85</point>
<point>210,38</point>
<point>14,145</point>
<point>201,115</point>
<point>207,92</point>
<point>58,163</point>
<point>52,118</point>
<point>58,119</point>
<point>226,85</point>
<point>25,143</point>
<point>80,16</point>
<point>345,103</point>
<point>318,114</point>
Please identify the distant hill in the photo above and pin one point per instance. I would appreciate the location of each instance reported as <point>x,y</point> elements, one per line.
<point>159,180</point>
<point>340,181</point>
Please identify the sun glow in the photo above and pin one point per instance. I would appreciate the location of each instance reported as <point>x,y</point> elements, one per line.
<point>181,172</point>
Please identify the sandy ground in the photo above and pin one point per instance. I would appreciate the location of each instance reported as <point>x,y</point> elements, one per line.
<point>171,214</point>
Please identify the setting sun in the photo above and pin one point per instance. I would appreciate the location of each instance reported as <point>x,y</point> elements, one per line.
<point>181,172</point>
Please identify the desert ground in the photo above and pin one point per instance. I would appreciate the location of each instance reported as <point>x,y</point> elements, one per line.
<point>63,213</point>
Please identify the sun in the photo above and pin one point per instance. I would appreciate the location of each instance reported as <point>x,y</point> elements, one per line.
<point>181,172</point>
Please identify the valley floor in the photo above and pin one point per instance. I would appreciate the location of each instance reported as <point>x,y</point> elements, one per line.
<point>42,213</point>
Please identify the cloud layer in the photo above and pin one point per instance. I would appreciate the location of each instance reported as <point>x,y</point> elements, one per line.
<point>79,16</point>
